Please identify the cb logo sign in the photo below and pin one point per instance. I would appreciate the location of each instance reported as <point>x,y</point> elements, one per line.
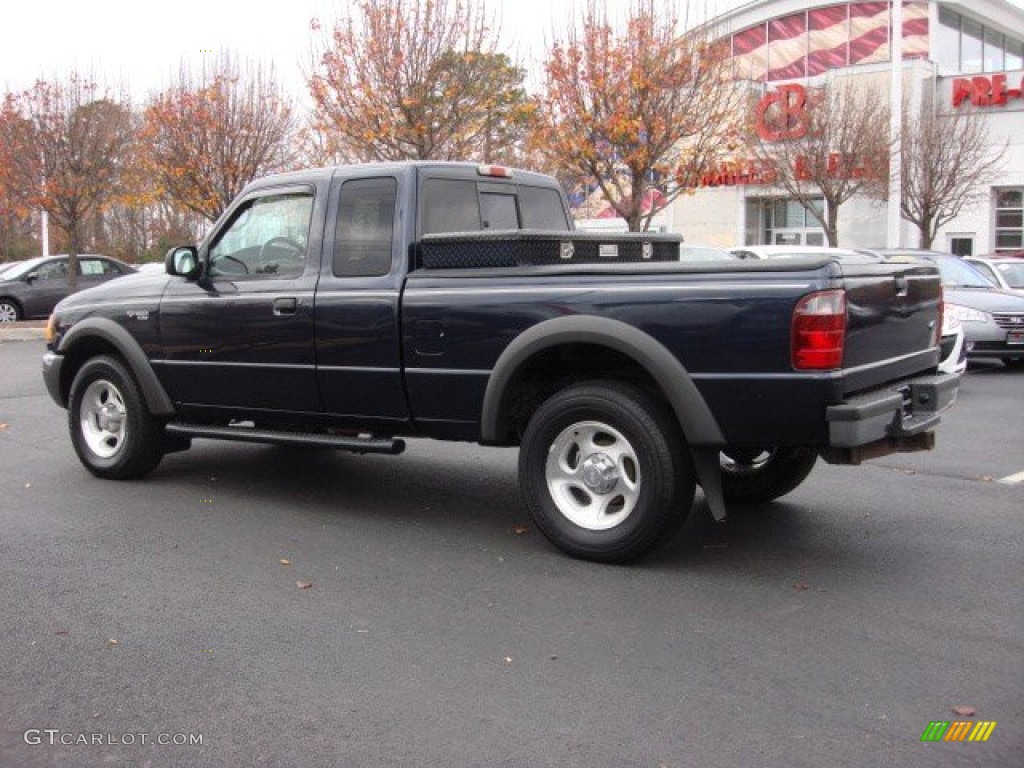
<point>782,114</point>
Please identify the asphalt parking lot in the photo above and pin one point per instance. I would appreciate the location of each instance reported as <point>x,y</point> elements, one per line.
<point>303,608</point>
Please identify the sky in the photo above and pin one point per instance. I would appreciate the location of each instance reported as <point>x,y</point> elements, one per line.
<point>141,44</point>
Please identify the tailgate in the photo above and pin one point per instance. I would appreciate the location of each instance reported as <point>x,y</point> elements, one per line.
<point>893,317</point>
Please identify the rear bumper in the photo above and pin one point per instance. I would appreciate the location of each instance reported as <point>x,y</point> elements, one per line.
<point>898,418</point>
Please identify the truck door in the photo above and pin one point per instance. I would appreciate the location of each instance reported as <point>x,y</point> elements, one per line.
<point>359,364</point>
<point>241,337</point>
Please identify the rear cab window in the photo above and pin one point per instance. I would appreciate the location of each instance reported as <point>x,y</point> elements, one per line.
<point>474,205</point>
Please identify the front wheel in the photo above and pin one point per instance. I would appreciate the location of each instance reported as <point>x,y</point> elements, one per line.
<point>112,431</point>
<point>10,312</point>
<point>756,476</point>
<point>604,472</point>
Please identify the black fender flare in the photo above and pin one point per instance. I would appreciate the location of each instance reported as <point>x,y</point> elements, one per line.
<point>157,400</point>
<point>695,418</point>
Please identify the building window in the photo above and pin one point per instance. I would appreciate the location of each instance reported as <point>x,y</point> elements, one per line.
<point>1010,219</point>
<point>783,221</point>
<point>966,46</point>
<point>993,51</point>
<point>1014,54</point>
<point>971,46</point>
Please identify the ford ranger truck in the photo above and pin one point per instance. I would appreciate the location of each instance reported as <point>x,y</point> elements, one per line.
<point>355,306</point>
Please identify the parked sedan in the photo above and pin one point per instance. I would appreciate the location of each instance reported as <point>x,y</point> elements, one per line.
<point>792,252</point>
<point>33,288</point>
<point>1007,273</point>
<point>993,319</point>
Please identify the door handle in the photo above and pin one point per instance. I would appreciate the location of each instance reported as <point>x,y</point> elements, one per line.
<point>285,306</point>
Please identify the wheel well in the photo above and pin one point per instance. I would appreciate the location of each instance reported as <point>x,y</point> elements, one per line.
<point>78,355</point>
<point>558,367</point>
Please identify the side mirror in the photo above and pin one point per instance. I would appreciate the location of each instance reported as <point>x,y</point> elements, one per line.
<point>31,277</point>
<point>183,261</point>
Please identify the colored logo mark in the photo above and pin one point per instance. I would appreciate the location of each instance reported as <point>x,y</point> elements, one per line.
<point>958,730</point>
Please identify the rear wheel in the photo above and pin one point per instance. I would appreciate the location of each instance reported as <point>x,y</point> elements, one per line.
<point>112,431</point>
<point>756,476</point>
<point>604,472</point>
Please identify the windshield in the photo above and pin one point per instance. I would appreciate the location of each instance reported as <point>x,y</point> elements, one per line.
<point>19,270</point>
<point>1012,273</point>
<point>959,274</point>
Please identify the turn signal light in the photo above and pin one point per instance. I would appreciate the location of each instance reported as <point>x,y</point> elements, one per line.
<point>819,331</point>
<point>51,329</point>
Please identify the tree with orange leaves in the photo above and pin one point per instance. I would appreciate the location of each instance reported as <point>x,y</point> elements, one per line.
<point>417,80</point>
<point>62,146</point>
<point>214,131</point>
<point>634,109</point>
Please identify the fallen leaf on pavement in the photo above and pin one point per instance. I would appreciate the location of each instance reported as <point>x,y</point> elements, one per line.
<point>285,561</point>
<point>112,641</point>
<point>801,586</point>
<point>2,425</point>
<point>303,584</point>
<point>519,530</point>
<point>964,711</point>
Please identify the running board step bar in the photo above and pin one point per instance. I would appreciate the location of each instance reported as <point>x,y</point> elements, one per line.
<point>390,446</point>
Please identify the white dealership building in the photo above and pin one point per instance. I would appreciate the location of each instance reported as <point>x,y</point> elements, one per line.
<point>956,55</point>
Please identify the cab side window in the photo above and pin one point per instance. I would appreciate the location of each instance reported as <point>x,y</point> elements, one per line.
<point>53,270</point>
<point>97,268</point>
<point>267,237</point>
<point>364,230</point>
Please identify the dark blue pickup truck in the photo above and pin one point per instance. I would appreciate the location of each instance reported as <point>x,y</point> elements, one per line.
<point>350,307</point>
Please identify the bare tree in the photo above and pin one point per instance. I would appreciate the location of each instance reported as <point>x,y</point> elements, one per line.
<point>62,146</point>
<point>635,107</point>
<point>831,143</point>
<point>215,130</point>
<point>948,163</point>
<point>416,79</point>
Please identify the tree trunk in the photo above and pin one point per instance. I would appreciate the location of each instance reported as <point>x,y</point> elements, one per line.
<point>832,228</point>
<point>74,247</point>
<point>927,232</point>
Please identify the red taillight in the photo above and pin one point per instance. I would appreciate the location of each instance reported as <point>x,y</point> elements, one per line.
<point>819,331</point>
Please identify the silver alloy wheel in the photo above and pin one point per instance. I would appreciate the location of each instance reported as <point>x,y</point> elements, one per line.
<point>593,475</point>
<point>746,461</point>
<point>102,418</point>
<point>8,312</point>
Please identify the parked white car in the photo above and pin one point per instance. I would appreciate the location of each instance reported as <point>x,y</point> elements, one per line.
<point>791,251</point>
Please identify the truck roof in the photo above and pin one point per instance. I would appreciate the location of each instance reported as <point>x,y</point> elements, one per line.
<point>395,167</point>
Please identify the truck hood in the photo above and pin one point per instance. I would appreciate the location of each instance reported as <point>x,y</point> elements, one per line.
<point>128,288</point>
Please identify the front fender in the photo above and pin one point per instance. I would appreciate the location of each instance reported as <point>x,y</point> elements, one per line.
<point>106,330</point>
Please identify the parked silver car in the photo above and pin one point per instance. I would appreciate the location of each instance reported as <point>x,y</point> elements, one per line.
<point>993,319</point>
<point>1007,273</point>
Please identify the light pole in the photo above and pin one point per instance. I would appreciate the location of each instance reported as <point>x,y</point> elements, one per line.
<point>893,218</point>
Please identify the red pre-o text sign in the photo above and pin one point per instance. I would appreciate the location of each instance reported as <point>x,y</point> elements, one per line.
<point>986,91</point>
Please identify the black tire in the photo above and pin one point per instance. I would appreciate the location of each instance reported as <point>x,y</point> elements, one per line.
<point>112,431</point>
<point>639,482</point>
<point>751,476</point>
<point>1013,362</point>
<point>10,311</point>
